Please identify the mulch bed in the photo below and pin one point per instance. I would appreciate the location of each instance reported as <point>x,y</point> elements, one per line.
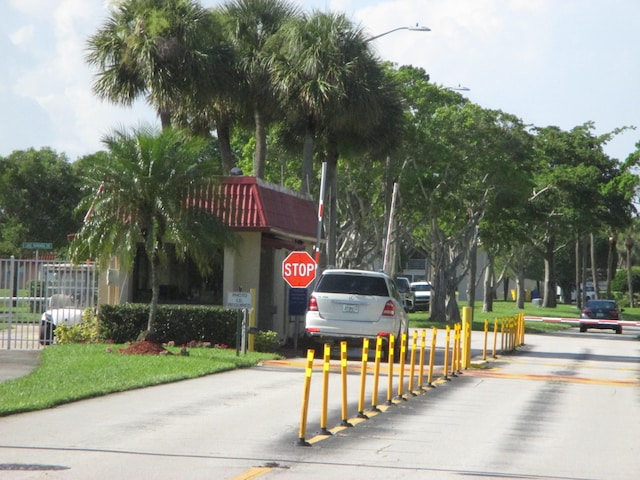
<point>145,348</point>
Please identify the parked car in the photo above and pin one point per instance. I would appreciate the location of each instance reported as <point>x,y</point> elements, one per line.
<point>57,316</point>
<point>601,310</point>
<point>406,295</point>
<point>422,295</point>
<point>354,304</point>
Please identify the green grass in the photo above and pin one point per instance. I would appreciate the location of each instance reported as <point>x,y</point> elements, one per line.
<point>74,372</point>
<point>508,309</point>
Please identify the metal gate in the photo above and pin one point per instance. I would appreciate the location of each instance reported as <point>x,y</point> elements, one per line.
<point>28,288</point>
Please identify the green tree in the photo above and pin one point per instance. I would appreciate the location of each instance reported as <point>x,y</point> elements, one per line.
<point>139,194</point>
<point>309,71</point>
<point>38,192</point>
<point>578,190</point>
<point>249,25</point>
<point>464,164</point>
<point>158,49</point>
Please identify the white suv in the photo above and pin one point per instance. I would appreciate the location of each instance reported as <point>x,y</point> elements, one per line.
<point>353,304</point>
<point>422,295</point>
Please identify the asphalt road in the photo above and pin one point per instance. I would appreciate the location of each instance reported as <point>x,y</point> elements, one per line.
<point>564,407</point>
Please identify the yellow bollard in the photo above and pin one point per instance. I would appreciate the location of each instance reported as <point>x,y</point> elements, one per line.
<point>495,337</point>
<point>305,400</point>
<point>412,362</point>
<point>363,377</point>
<point>423,335</point>
<point>467,327</point>
<point>343,373</point>
<point>376,376</point>
<point>390,375</point>
<point>454,351</point>
<point>486,336</point>
<point>457,347</point>
<point>460,342</point>
<point>446,352</point>
<point>512,334</point>
<point>502,334</point>
<point>403,354</point>
<point>326,367</point>
<point>432,356</point>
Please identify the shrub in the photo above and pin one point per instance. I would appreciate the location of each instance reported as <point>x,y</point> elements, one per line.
<point>86,331</point>
<point>180,324</point>
<point>619,281</point>
<point>266,341</point>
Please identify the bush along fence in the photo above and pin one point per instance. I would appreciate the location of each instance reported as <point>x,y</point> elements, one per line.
<point>413,374</point>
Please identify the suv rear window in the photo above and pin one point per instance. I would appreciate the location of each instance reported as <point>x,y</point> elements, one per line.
<point>354,284</point>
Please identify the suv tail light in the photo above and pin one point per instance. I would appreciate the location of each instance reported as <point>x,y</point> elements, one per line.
<point>313,304</point>
<point>389,309</point>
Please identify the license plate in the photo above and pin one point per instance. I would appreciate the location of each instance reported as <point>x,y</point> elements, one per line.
<point>350,308</point>
<point>600,315</point>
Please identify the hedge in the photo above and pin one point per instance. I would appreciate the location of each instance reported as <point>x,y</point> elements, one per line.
<point>178,323</point>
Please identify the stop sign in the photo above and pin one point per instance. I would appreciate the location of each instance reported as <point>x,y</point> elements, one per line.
<point>299,269</point>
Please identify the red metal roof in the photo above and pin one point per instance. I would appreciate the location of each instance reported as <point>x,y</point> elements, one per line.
<point>250,204</point>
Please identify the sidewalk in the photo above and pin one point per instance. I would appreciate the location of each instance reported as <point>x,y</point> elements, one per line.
<point>17,363</point>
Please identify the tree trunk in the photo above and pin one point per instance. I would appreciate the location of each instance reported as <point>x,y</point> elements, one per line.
<point>260,158</point>
<point>223,131</point>
<point>489,287</point>
<point>505,289</point>
<point>155,292</point>
<point>307,161</point>
<point>613,240</point>
<point>549,300</point>
<point>629,246</point>
<point>438,303</point>
<point>473,271</point>
<point>520,291</point>
<point>578,270</point>
<point>165,118</point>
<point>453,311</point>
<point>594,270</point>
<point>583,273</point>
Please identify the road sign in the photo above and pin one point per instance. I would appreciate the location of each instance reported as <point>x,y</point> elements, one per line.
<point>299,269</point>
<point>240,300</point>
<point>37,246</point>
<point>297,301</point>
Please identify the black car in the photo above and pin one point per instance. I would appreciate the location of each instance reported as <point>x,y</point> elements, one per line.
<point>606,312</point>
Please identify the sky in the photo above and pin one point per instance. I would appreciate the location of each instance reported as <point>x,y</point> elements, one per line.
<point>549,62</point>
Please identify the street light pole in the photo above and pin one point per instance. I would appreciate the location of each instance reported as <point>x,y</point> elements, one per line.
<point>416,28</point>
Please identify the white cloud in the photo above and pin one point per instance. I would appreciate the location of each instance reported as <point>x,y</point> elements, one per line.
<point>22,36</point>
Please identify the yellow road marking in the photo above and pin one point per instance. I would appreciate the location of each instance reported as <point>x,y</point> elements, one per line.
<point>253,472</point>
<point>558,378</point>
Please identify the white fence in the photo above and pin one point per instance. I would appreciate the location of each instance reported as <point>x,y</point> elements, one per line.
<point>30,287</point>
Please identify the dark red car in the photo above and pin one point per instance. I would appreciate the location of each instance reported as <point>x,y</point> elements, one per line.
<point>605,313</point>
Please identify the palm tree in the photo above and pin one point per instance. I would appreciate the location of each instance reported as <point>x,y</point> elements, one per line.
<point>367,118</point>
<point>213,105</point>
<point>336,93</point>
<point>249,26</point>
<point>308,73</point>
<point>159,49</point>
<point>143,185</point>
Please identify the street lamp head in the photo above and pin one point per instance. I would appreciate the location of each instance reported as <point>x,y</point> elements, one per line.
<point>419,28</point>
<point>459,88</point>
<point>414,28</point>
